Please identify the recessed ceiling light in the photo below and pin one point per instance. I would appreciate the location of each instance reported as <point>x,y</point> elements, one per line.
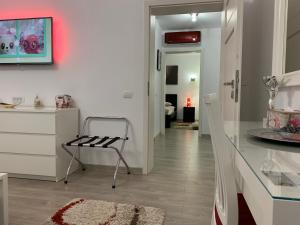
<point>194,17</point>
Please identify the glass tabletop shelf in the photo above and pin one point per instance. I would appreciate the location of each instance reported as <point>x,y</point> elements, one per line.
<point>276,165</point>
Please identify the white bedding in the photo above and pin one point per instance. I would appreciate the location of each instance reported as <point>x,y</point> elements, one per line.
<point>169,110</point>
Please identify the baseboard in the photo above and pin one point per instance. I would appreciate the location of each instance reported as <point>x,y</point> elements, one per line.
<point>137,171</point>
<point>32,177</point>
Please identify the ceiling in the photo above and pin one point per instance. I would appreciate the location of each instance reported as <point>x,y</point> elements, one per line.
<point>184,21</point>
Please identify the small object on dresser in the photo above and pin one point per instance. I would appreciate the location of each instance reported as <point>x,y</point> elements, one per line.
<point>7,105</point>
<point>285,122</point>
<point>63,101</point>
<point>280,118</point>
<point>272,84</point>
<point>37,102</point>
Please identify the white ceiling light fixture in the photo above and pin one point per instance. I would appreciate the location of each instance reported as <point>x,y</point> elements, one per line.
<point>194,17</point>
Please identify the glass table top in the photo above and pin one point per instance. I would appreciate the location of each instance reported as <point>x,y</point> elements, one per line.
<point>277,166</point>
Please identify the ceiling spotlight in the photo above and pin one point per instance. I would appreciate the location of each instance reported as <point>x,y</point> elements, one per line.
<point>194,17</point>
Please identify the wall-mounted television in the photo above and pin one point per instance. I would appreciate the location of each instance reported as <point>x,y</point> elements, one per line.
<point>26,41</point>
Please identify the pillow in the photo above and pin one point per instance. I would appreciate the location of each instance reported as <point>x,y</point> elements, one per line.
<point>168,103</point>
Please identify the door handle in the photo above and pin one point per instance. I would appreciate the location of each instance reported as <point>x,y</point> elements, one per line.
<point>231,83</point>
<point>237,81</point>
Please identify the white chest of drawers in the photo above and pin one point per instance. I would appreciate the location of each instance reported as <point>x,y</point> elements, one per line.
<point>31,138</point>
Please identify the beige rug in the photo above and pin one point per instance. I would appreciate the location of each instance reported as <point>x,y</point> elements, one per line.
<point>185,126</point>
<point>95,212</point>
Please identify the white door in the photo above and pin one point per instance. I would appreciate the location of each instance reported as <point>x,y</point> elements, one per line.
<point>231,60</point>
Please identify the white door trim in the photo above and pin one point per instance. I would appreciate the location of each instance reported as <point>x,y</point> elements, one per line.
<point>209,5</point>
<point>163,93</point>
<point>279,46</point>
<point>279,40</point>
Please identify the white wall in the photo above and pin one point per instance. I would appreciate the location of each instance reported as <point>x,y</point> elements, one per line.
<point>210,72</point>
<point>188,66</point>
<point>157,82</point>
<point>99,53</point>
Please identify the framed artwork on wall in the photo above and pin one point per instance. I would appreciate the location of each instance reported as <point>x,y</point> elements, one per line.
<point>172,75</point>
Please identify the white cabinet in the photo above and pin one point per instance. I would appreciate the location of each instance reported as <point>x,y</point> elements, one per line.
<point>31,138</point>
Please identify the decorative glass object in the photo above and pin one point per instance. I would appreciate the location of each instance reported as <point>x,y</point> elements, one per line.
<point>272,85</point>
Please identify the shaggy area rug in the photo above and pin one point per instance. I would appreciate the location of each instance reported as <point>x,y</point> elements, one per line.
<point>95,212</point>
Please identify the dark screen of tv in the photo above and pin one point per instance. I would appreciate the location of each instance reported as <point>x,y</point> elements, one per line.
<point>26,41</point>
<point>172,75</point>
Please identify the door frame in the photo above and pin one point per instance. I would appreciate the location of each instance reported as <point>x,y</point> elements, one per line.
<point>180,50</point>
<point>162,7</point>
<point>163,93</point>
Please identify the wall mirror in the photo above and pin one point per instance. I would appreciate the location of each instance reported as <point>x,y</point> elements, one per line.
<point>286,43</point>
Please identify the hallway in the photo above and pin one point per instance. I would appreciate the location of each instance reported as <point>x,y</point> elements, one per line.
<point>186,162</point>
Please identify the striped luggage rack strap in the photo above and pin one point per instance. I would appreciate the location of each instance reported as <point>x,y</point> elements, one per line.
<point>95,141</point>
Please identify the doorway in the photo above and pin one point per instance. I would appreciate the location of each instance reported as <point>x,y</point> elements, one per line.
<point>208,48</point>
<point>182,89</point>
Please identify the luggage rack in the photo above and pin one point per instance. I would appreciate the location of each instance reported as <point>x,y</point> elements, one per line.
<point>84,140</point>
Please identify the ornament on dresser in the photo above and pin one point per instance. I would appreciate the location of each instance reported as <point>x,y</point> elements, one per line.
<point>63,101</point>
<point>287,120</point>
<point>37,102</point>
<point>283,124</point>
<point>272,85</point>
<point>282,120</point>
<point>274,120</point>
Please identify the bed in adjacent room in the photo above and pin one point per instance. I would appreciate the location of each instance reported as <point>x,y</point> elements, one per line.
<point>170,109</point>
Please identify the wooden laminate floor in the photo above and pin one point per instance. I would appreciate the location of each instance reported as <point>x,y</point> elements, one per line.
<point>182,183</point>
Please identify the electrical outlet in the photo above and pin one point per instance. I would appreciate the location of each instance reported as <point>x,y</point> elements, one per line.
<point>128,94</point>
<point>17,100</point>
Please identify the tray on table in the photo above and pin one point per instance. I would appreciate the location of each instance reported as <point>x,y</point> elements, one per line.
<point>278,135</point>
